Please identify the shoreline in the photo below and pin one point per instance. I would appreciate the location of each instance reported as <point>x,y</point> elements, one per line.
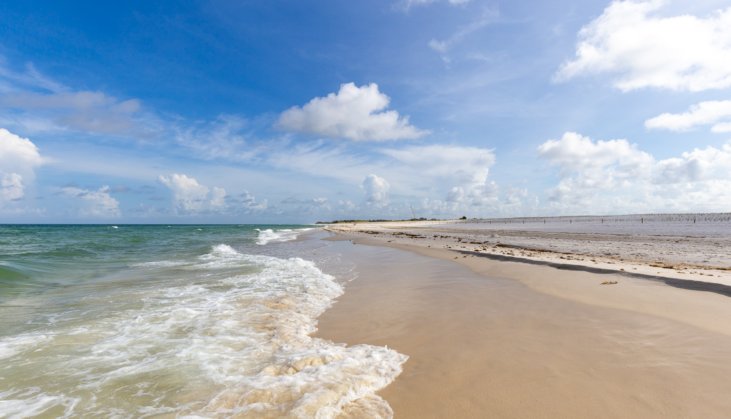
<point>668,259</point>
<point>516,339</point>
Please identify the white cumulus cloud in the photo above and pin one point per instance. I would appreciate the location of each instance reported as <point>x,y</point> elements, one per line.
<point>616,176</point>
<point>462,170</point>
<point>191,197</point>
<point>17,154</point>
<point>644,49</point>
<point>355,113</point>
<point>11,187</point>
<point>97,203</point>
<point>376,190</point>
<point>721,127</point>
<point>576,153</point>
<point>18,159</point>
<point>248,202</point>
<point>716,113</point>
<point>697,165</point>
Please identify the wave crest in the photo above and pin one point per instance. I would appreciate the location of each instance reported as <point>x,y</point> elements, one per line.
<point>269,235</point>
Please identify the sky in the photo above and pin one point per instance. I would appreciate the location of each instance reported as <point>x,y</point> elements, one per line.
<point>284,111</point>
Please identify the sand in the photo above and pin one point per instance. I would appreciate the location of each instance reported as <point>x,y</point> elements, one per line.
<point>697,252</point>
<point>490,338</point>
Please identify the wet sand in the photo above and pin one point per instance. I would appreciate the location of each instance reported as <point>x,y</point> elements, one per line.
<point>493,338</point>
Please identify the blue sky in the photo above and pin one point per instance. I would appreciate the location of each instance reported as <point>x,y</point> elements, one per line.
<point>290,111</point>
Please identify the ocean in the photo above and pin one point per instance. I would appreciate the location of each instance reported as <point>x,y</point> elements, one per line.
<point>178,321</point>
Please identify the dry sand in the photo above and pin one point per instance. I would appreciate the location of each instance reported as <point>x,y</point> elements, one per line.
<point>491,338</point>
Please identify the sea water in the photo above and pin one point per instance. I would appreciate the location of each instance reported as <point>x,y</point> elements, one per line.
<point>179,321</point>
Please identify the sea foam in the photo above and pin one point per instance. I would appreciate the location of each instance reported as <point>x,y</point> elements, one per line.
<point>231,339</point>
<point>269,235</point>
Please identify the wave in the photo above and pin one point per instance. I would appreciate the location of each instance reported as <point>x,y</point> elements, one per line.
<point>11,273</point>
<point>269,235</point>
<point>160,264</point>
<point>233,338</point>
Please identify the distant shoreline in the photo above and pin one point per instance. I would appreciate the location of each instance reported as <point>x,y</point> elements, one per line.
<point>660,216</point>
<point>637,244</point>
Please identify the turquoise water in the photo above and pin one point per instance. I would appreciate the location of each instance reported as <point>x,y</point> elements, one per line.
<point>34,258</point>
<point>207,321</point>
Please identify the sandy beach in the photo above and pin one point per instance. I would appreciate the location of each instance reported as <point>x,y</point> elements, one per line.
<point>512,331</point>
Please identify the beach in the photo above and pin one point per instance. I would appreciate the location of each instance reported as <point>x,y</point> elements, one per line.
<point>364,320</point>
<point>519,331</point>
<point>410,209</point>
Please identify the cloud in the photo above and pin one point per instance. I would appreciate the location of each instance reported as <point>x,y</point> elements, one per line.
<point>17,153</point>
<point>488,16</point>
<point>643,49</point>
<point>376,190</point>
<point>190,196</point>
<point>461,173</point>
<point>222,138</point>
<point>479,194</point>
<point>716,113</point>
<point>312,206</point>
<point>18,159</point>
<point>576,153</point>
<point>588,167</point>
<point>247,202</point>
<point>84,111</point>
<point>218,197</point>
<point>11,187</point>
<point>428,170</point>
<point>35,103</point>
<point>322,159</point>
<point>721,127</point>
<point>355,113</point>
<point>31,78</point>
<point>81,100</point>
<point>698,165</point>
<point>616,176</point>
<point>459,164</point>
<point>97,203</point>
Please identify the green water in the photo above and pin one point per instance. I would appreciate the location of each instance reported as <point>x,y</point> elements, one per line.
<point>179,320</point>
<point>34,258</point>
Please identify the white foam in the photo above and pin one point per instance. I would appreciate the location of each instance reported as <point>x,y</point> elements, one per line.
<point>223,250</point>
<point>234,338</point>
<point>269,235</point>
<point>14,345</point>
<point>32,403</point>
